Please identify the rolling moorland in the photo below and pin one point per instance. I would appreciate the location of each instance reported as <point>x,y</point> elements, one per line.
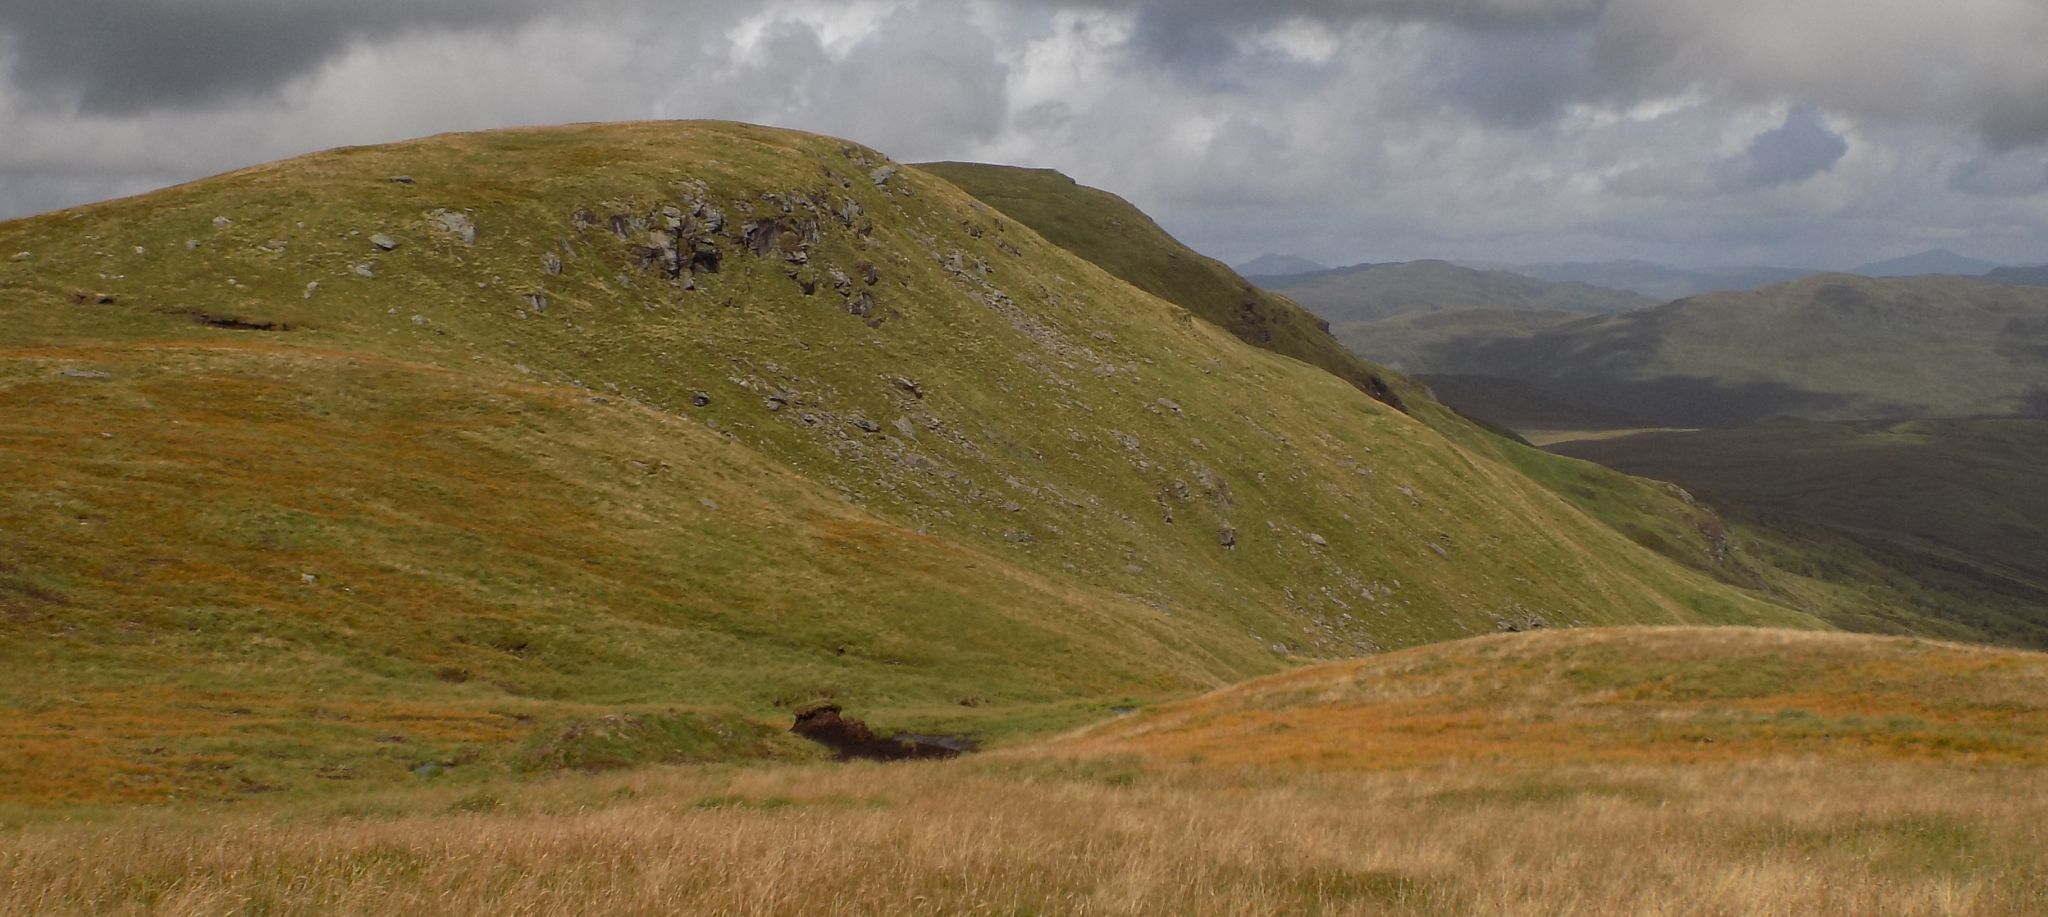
<point>456,526</point>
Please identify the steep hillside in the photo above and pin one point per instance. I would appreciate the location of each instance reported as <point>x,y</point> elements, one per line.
<point>1369,292</point>
<point>1975,490</point>
<point>1106,230</point>
<point>1850,582</point>
<point>581,446</point>
<point>1831,347</point>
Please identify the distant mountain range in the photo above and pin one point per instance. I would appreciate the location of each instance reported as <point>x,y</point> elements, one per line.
<point>1367,292</point>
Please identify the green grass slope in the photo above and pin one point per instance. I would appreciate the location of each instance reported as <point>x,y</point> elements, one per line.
<point>1829,347</point>
<point>1370,292</point>
<point>1108,232</point>
<point>612,443</point>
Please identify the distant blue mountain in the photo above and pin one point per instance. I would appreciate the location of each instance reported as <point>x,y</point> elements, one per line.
<point>1938,261</point>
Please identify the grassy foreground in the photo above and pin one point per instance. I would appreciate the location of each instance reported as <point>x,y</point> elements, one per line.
<point>1785,811</point>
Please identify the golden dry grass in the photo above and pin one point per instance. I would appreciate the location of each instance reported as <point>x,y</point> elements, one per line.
<point>1020,836</point>
<point>1778,818</point>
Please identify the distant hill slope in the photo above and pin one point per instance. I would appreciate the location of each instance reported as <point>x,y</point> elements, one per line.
<point>2036,276</point>
<point>1662,282</point>
<point>1374,291</point>
<point>1830,347</point>
<point>1417,341</point>
<point>1937,261</point>
<point>583,446</point>
<point>1970,489</point>
<point>1278,266</point>
<point>1107,231</point>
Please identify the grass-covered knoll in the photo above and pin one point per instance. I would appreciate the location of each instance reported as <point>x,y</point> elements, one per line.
<point>319,478</point>
<point>1828,347</point>
<point>1632,695</point>
<point>1370,292</point>
<point>1623,772</point>
<point>1975,491</point>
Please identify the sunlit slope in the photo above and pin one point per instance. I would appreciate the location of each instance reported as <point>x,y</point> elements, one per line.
<point>317,473</point>
<point>1624,696</point>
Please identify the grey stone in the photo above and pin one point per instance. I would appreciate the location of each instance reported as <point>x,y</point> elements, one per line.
<point>457,224</point>
<point>700,399</point>
<point>401,179</point>
<point>365,270</point>
<point>1170,405</point>
<point>865,425</point>
<point>222,222</point>
<point>883,174</point>
<point>538,302</point>
<point>384,242</point>
<point>312,288</point>
<point>1227,537</point>
<point>420,320</point>
<point>22,256</point>
<point>1318,540</point>
<point>1019,538</point>
<point>551,264</point>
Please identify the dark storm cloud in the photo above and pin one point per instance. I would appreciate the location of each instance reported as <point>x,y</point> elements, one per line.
<point>124,56</point>
<point>1347,130</point>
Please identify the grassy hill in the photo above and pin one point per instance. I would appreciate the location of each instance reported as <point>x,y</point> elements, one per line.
<point>1627,771</point>
<point>1368,292</point>
<point>1830,347</point>
<point>1974,491</point>
<point>577,447</point>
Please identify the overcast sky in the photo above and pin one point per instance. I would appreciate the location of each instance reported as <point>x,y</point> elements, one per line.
<point>1800,132</point>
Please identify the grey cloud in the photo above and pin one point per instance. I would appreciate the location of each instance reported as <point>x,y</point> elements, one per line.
<point>2002,175</point>
<point>125,56</point>
<point>1801,149</point>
